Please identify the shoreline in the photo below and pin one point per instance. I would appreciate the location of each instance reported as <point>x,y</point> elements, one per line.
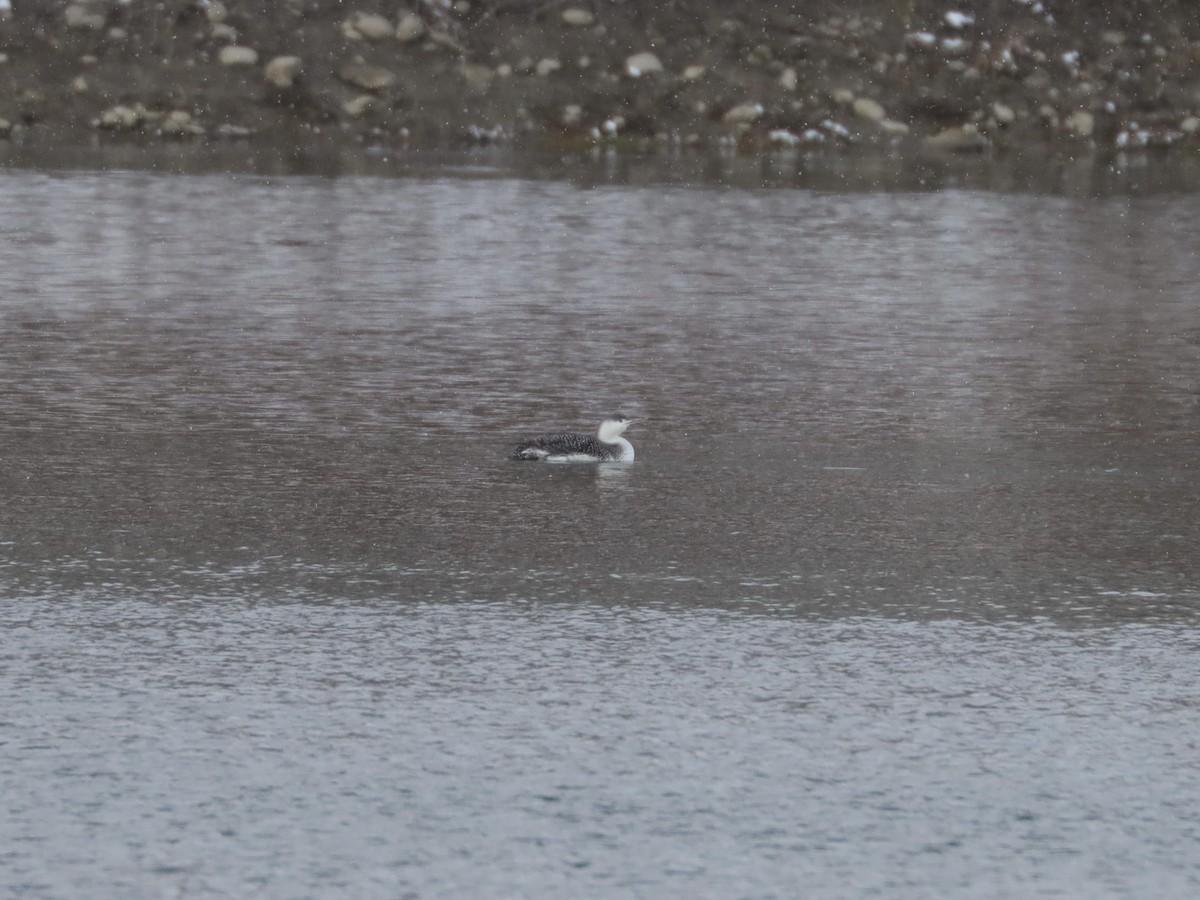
<point>859,169</point>
<point>821,79</point>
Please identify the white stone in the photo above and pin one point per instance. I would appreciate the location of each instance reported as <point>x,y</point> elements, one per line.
<point>572,115</point>
<point>367,25</point>
<point>1003,114</point>
<point>83,18</point>
<point>957,139</point>
<point>122,116</point>
<point>837,129</point>
<point>359,106</point>
<point>369,78</point>
<point>866,108</point>
<point>788,80</point>
<point>446,41</point>
<point>1190,125</point>
<point>953,46</point>
<point>238,56</point>
<point>179,122</point>
<point>742,114</point>
<point>1082,123</point>
<point>478,78</point>
<point>282,71</point>
<point>692,73</point>
<point>642,64</point>
<point>579,18</point>
<point>842,96</point>
<point>958,20</point>
<point>409,28</point>
<point>546,67</point>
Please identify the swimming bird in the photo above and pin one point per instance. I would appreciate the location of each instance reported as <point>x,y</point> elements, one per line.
<point>606,445</point>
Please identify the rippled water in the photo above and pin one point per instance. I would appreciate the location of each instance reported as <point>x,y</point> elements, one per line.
<point>899,599</point>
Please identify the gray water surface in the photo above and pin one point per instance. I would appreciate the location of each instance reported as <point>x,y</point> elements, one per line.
<point>899,599</point>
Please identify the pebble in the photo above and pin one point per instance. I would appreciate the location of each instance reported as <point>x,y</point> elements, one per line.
<point>579,18</point>
<point>478,134</point>
<point>957,20</point>
<point>546,67</point>
<point>891,126</point>
<point>921,40</point>
<point>572,115</point>
<point>409,28</point>
<point>282,71</point>
<point>842,96</point>
<point>359,106</point>
<point>238,56</point>
<point>1082,123</point>
<point>179,123</point>
<point>5,128</point>
<point>957,139</point>
<point>692,73</point>
<point>1003,114</point>
<point>371,26</point>
<point>788,80</point>
<point>866,108</point>
<point>84,19</point>
<point>122,116</point>
<point>478,78</point>
<point>642,64</point>
<point>742,114</point>
<point>446,41</point>
<point>369,78</point>
<point>215,11</point>
<point>1190,125</point>
<point>224,33</point>
<point>954,47</point>
<point>837,129</point>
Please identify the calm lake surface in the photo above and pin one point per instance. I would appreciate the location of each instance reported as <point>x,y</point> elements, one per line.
<point>901,597</point>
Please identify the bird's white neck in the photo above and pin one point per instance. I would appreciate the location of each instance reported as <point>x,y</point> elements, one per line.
<point>624,448</point>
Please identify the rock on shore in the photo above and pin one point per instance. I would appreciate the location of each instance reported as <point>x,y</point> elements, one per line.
<point>947,76</point>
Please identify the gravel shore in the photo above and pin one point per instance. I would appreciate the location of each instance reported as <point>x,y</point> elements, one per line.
<point>992,76</point>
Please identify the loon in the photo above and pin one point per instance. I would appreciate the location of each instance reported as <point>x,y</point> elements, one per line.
<point>606,446</point>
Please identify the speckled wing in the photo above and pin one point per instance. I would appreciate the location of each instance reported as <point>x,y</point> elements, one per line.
<point>567,443</point>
